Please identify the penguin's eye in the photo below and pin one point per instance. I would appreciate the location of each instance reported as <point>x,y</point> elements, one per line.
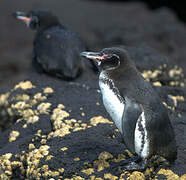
<point>111,61</point>
<point>112,57</point>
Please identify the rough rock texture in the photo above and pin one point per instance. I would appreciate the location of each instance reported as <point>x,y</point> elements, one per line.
<point>57,129</point>
<point>159,29</point>
<point>101,24</point>
<point>178,8</point>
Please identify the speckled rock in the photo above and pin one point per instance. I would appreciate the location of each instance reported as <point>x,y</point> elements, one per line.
<point>60,130</point>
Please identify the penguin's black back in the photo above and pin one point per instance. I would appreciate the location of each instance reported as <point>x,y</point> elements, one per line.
<point>160,132</point>
<point>56,51</point>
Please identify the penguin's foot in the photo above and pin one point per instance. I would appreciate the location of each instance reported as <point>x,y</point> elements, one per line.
<point>126,162</point>
<point>129,160</point>
<point>134,166</point>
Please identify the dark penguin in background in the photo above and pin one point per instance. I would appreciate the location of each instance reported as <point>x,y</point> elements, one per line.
<point>134,106</point>
<point>56,49</point>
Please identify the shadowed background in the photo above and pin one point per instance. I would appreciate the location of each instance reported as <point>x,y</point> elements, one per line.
<point>100,24</point>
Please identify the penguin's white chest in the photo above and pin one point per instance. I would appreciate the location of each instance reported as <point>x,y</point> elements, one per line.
<point>112,103</point>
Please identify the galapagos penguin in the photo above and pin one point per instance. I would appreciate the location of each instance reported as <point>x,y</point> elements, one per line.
<point>134,106</point>
<point>56,48</point>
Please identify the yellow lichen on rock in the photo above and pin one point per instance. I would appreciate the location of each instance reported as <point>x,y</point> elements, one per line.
<point>88,171</point>
<point>167,106</point>
<point>99,119</point>
<point>110,176</point>
<point>27,113</point>
<point>22,97</point>
<point>136,176</point>
<point>77,159</point>
<point>33,159</point>
<point>120,157</point>
<point>57,116</point>
<point>33,119</point>
<point>97,103</point>
<point>183,177</point>
<point>169,174</point>
<point>176,99</point>
<point>82,114</point>
<point>60,127</point>
<point>24,85</point>
<point>59,132</point>
<point>60,106</point>
<point>48,90</point>
<point>124,175</point>
<point>129,153</point>
<point>13,135</point>
<point>61,170</point>
<point>31,146</point>
<point>49,157</point>
<point>75,178</point>
<point>39,97</point>
<point>43,108</point>
<point>101,163</point>
<point>3,99</point>
<point>157,83</point>
<point>176,83</point>
<point>176,72</point>
<point>148,74</point>
<point>6,166</point>
<point>64,149</point>
<point>20,105</point>
<point>43,141</point>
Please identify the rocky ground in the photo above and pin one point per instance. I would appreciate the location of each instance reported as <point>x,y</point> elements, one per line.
<point>56,129</point>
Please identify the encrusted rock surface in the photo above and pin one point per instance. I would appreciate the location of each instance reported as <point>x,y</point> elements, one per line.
<point>52,129</point>
<point>57,129</point>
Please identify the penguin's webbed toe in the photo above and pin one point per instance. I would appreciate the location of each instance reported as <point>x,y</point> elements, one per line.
<point>126,163</point>
<point>136,166</point>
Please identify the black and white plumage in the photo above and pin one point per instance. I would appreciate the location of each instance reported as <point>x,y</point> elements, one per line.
<point>56,48</point>
<point>134,106</point>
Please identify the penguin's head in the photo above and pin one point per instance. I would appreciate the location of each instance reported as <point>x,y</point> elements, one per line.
<point>108,58</point>
<point>37,19</point>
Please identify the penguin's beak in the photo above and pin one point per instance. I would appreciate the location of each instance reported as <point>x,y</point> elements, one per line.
<point>96,56</point>
<point>22,16</point>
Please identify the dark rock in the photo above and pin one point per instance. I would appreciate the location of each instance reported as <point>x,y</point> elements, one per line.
<point>56,141</point>
<point>117,23</point>
<point>178,8</point>
<point>159,29</point>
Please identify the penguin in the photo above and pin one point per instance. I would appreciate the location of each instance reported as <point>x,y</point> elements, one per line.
<point>56,49</point>
<point>134,106</point>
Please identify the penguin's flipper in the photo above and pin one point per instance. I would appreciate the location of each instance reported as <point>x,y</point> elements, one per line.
<point>131,114</point>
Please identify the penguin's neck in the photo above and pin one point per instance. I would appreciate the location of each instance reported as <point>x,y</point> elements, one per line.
<point>43,29</point>
<point>105,79</point>
<point>112,100</point>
